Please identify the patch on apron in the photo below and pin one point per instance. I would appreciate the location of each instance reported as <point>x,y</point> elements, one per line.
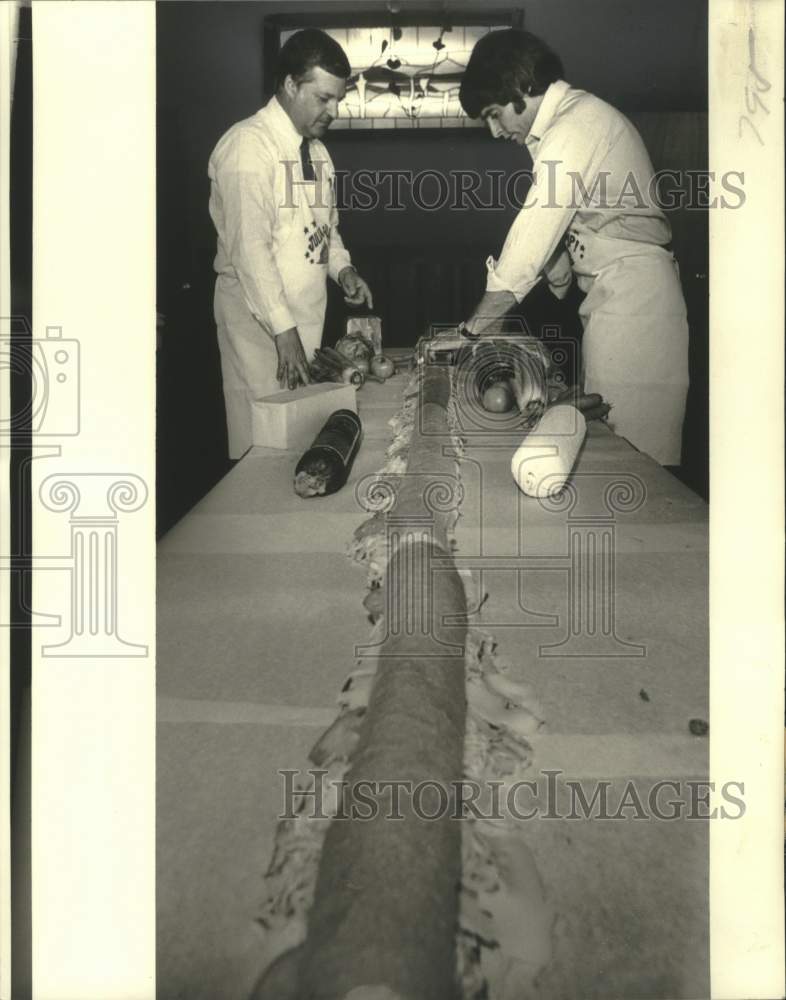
<point>317,247</point>
<point>574,245</point>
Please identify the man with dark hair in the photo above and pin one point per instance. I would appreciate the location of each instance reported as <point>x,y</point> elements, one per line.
<point>503,66</point>
<point>589,212</point>
<point>306,50</point>
<point>272,203</point>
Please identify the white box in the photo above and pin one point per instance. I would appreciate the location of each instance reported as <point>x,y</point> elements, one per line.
<point>293,418</point>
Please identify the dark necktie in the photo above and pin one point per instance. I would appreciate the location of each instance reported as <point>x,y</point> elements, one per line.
<point>305,161</point>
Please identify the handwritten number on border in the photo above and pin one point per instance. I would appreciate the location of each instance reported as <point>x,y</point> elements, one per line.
<point>756,84</point>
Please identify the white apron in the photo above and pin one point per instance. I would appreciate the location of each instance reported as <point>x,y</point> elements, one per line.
<point>635,345</point>
<point>248,353</point>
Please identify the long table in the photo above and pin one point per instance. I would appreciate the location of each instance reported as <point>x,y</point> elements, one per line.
<point>259,612</point>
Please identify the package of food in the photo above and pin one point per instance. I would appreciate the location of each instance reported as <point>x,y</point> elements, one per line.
<point>543,463</point>
<point>355,348</point>
<point>332,365</point>
<point>289,420</point>
<point>325,467</point>
<point>367,327</point>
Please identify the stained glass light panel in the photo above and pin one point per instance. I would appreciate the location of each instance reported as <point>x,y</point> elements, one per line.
<point>405,77</point>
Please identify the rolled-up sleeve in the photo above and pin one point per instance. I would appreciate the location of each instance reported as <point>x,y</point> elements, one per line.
<point>245,176</point>
<point>565,153</point>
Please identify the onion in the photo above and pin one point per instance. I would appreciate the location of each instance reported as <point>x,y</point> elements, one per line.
<point>498,398</point>
<point>382,366</point>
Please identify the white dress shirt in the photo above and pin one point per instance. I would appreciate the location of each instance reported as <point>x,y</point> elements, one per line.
<point>252,171</point>
<point>578,143</point>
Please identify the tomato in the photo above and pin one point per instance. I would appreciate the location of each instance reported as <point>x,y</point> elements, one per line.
<point>383,367</point>
<point>498,398</point>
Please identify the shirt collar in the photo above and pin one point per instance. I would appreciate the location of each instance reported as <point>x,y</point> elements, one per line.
<point>548,108</point>
<point>282,123</point>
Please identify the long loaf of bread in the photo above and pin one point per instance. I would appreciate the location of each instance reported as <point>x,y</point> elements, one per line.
<point>386,904</point>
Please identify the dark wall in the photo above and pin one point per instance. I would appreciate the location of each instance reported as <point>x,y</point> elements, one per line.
<point>647,59</point>
<point>638,56</point>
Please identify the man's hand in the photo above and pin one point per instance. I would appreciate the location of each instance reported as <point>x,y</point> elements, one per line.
<point>292,365</point>
<point>354,287</point>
